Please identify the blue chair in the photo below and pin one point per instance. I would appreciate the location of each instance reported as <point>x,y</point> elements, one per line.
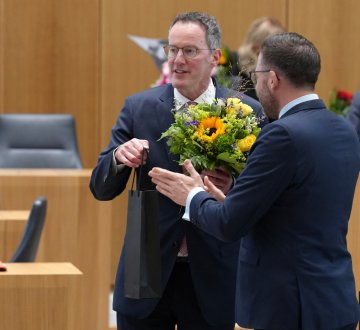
<point>28,246</point>
<point>38,141</point>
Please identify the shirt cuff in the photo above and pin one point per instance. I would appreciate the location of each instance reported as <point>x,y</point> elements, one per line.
<point>115,167</point>
<point>190,196</point>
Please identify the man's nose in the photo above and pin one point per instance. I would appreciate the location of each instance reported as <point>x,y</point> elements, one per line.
<point>180,57</point>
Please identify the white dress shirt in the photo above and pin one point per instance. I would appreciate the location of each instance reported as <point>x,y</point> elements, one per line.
<point>207,97</point>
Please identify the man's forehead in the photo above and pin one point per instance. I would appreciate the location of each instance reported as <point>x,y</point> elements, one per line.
<point>187,26</point>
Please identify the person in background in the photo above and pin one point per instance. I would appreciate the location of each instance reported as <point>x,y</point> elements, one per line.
<point>198,277</point>
<point>291,204</point>
<point>248,51</point>
<point>353,114</point>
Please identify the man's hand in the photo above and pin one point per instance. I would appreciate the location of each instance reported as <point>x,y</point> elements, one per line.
<point>176,186</point>
<point>130,153</point>
<point>221,178</point>
<point>213,190</point>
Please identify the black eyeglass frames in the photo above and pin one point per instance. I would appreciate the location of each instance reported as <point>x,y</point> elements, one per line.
<point>253,73</point>
<point>188,51</point>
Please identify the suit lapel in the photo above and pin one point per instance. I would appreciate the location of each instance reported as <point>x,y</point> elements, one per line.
<point>165,105</point>
<point>220,92</point>
<point>165,118</point>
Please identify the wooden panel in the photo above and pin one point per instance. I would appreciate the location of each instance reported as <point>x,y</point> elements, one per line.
<point>2,242</point>
<point>12,226</point>
<point>335,32</point>
<point>77,230</point>
<point>74,57</point>
<point>49,62</point>
<point>354,234</point>
<point>40,296</point>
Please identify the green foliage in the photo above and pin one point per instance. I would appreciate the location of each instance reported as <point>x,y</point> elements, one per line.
<point>339,102</point>
<point>209,134</point>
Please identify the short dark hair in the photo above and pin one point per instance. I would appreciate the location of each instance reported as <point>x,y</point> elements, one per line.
<point>209,23</point>
<point>294,56</point>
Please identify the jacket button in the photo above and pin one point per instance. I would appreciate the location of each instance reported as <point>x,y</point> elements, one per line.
<point>175,245</point>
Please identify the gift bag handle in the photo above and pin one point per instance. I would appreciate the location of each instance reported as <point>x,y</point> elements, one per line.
<point>145,150</point>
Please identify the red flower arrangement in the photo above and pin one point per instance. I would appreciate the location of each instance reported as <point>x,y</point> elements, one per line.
<point>339,101</point>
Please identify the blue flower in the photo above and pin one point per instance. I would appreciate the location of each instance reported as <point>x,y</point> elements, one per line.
<point>192,123</point>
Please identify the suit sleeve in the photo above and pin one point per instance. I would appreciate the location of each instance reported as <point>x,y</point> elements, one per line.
<point>270,168</point>
<point>104,183</point>
<point>353,114</point>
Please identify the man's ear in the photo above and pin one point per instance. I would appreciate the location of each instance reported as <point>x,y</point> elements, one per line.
<point>216,54</point>
<point>273,80</point>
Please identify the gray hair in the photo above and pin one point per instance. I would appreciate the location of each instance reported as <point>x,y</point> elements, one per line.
<point>209,23</point>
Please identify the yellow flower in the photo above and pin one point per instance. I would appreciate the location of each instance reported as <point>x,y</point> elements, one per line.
<point>235,105</point>
<point>223,60</point>
<point>246,109</point>
<point>210,128</point>
<point>246,143</point>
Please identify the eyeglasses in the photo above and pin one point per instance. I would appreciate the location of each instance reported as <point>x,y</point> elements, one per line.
<point>188,51</point>
<point>253,74</point>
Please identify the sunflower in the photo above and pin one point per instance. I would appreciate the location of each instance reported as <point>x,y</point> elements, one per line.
<point>210,128</point>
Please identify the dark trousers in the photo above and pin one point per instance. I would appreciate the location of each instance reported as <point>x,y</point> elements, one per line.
<point>178,306</point>
<point>346,327</point>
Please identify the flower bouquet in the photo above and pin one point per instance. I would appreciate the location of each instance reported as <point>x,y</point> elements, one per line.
<point>340,101</point>
<point>214,135</point>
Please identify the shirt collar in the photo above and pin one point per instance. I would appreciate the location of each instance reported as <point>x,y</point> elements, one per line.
<point>207,97</point>
<point>297,101</point>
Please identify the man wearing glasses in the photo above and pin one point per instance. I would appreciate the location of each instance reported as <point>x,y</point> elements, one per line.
<point>291,204</point>
<point>198,270</point>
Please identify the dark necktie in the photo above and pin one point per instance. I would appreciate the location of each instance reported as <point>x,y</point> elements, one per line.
<point>185,106</point>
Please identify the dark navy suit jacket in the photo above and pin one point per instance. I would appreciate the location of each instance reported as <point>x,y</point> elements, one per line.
<point>291,205</point>
<point>213,262</point>
<point>354,112</point>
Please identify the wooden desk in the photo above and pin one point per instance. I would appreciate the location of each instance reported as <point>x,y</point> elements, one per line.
<point>40,296</point>
<point>77,230</point>
<point>12,225</point>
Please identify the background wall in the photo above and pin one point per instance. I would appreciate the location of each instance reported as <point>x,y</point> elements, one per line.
<point>73,56</point>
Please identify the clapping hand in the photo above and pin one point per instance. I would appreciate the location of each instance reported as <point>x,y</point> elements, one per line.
<point>176,186</point>
<point>221,178</point>
<point>213,190</point>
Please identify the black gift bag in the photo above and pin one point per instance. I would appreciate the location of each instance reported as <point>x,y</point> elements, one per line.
<point>142,244</point>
